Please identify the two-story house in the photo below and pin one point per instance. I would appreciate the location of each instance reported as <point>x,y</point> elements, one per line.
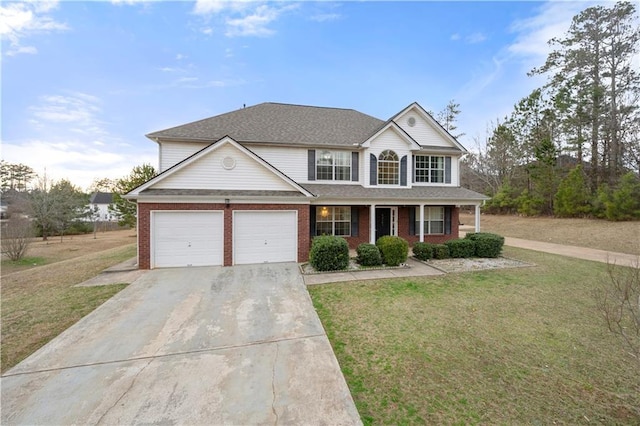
<point>257,184</point>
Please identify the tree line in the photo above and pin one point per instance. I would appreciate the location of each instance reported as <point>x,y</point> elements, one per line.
<point>571,147</point>
<point>59,207</point>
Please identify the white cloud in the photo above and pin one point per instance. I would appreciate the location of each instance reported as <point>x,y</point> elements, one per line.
<point>455,36</point>
<point>241,18</point>
<point>78,161</point>
<point>76,109</point>
<point>22,20</point>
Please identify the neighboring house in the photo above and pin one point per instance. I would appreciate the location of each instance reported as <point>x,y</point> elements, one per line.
<point>99,202</point>
<point>257,184</point>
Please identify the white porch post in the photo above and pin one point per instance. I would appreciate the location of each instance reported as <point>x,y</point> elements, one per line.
<point>372,224</point>
<point>421,223</point>
<point>477,217</point>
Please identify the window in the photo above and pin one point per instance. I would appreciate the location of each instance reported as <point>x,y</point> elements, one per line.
<point>333,221</point>
<point>433,220</point>
<point>429,168</point>
<point>333,165</point>
<point>388,168</point>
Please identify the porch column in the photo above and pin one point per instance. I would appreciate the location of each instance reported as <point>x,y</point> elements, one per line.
<point>477,217</point>
<point>421,232</point>
<point>372,224</point>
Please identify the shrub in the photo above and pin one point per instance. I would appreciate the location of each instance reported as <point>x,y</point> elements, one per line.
<point>394,250</point>
<point>487,244</point>
<point>460,248</point>
<point>16,237</point>
<point>368,255</point>
<point>329,253</point>
<point>423,251</point>
<point>440,251</point>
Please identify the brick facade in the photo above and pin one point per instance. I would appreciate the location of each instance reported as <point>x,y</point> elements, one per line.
<point>144,226</point>
<point>304,237</point>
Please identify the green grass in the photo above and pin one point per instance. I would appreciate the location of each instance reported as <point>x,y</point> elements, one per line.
<point>25,261</point>
<point>40,303</point>
<point>511,346</point>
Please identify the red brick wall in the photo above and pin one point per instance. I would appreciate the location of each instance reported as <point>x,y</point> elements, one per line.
<point>144,226</point>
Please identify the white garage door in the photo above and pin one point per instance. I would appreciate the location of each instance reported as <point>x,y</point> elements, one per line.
<point>265,236</point>
<point>187,238</point>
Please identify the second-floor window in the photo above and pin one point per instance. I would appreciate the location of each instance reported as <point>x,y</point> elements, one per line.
<point>429,168</point>
<point>333,165</point>
<point>388,168</point>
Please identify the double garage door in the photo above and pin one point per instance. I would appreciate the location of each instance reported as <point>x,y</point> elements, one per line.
<point>196,238</point>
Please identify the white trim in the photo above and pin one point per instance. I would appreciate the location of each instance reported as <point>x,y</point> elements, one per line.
<point>218,200</point>
<point>393,126</point>
<point>437,126</point>
<point>133,194</point>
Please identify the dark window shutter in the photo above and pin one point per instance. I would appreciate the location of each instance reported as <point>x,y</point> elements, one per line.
<point>354,166</point>
<point>373,170</point>
<point>447,169</point>
<point>447,220</point>
<point>413,173</point>
<point>403,171</point>
<point>312,220</point>
<point>355,211</point>
<point>412,221</point>
<point>312,164</point>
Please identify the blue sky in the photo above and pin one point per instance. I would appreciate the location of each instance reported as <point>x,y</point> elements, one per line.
<point>83,82</point>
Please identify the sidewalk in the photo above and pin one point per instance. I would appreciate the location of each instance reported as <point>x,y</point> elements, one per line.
<point>585,253</point>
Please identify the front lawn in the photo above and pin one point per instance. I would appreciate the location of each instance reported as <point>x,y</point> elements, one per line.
<point>512,346</point>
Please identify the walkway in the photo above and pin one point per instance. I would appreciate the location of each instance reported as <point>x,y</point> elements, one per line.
<point>585,253</point>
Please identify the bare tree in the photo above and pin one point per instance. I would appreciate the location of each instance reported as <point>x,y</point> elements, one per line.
<point>16,237</point>
<point>618,300</point>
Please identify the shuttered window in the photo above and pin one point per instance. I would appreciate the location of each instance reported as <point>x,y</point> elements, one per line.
<point>333,165</point>
<point>333,221</point>
<point>429,168</point>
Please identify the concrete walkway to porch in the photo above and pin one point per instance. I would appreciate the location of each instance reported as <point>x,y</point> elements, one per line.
<point>414,269</point>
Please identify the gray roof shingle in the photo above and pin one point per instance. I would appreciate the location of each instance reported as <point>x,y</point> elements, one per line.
<point>281,123</point>
<point>414,194</point>
<point>101,198</point>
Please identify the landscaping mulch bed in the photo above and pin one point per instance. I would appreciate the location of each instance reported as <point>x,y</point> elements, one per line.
<point>474,264</point>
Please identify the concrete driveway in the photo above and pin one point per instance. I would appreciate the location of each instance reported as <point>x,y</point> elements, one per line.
<point>236,345</point>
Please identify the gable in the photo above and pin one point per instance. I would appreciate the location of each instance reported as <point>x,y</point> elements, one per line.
<point>226,168</point>
<point>222,166</point>
<point>392,139</point>
<point>424,129</point>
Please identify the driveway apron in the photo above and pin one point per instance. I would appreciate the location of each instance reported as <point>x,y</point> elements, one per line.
<point>212,345</point>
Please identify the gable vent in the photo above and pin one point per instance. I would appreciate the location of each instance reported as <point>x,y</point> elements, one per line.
<point>411,121</point>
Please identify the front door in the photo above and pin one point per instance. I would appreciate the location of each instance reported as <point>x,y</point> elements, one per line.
<point>383,222</point>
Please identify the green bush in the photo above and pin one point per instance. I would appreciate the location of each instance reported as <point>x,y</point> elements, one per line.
<point>79,227</point>
<point>461,248</point>
<point>368,255</point>
<point>329,253</point>
<point>440,251</point>
<point>394,250</point>
<point>487,244</point>
<point>622,202</point>
<point>423,251</point>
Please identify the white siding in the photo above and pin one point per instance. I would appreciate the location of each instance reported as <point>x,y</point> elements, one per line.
<point>208,173</point>
<point>290,161</point>
<point>171,153</point>
<point>388,139</point>
<point>423,132</point>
